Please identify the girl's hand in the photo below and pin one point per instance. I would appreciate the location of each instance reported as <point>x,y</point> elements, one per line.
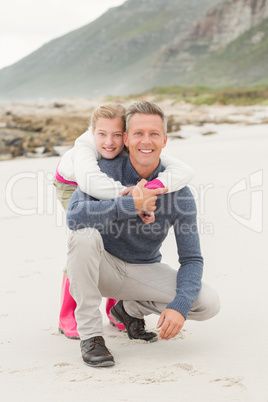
<point>127,191</point>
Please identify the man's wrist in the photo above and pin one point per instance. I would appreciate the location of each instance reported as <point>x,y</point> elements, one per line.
<point>181,305</point>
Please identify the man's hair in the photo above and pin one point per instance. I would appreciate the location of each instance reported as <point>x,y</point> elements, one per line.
<point>109,111</point>
<point>144,107</point>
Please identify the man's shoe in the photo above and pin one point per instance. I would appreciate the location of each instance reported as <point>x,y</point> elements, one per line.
<point>95,353</point>
<point>135,326</point>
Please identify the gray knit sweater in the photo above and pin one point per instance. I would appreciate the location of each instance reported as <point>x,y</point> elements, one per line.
<point>128,238</point>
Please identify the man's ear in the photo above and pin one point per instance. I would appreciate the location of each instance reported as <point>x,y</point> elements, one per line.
<point>125,139</point>
<point>165,141</point>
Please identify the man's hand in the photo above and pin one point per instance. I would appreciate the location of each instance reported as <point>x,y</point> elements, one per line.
<point>171,322</point>
<point>144,199</point>
<point>147,217</point>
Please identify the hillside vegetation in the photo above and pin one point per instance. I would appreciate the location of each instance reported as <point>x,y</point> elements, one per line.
<point>202,95</point>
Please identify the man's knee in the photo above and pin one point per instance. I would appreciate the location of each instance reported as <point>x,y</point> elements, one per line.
<point>207,304</point>
<point>211,303</point>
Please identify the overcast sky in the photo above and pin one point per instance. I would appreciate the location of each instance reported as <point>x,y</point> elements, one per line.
<point>25,25</point>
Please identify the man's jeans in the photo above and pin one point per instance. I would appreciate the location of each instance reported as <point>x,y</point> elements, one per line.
<point>145,288</point>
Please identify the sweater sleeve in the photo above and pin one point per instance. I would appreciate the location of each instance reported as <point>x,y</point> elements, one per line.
<point>191,262</point>
<point>87,172</point>
<point>83,211</point>
<point>176,174</point>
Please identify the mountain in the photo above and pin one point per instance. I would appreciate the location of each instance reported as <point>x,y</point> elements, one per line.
<point>224,48</point>
<point>147,43</point>
<point>113,54</point>
<point>242,62</point>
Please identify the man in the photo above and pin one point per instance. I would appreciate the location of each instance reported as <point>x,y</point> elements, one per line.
<point>112,253</point>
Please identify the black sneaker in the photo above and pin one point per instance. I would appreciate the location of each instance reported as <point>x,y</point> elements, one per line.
<point>135,326</point>
<point>95,353</point>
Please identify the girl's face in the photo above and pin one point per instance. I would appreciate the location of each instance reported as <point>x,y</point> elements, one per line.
<point>109,137</point>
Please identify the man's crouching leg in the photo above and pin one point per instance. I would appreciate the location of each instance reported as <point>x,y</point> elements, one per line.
<point>85,250</point>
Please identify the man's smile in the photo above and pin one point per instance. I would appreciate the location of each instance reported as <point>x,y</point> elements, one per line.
<point>146,151</point>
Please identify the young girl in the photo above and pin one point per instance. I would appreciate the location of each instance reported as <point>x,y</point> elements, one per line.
<point>79,166</point>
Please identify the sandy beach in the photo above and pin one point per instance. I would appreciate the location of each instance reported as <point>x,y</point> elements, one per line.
<point>224,359</point>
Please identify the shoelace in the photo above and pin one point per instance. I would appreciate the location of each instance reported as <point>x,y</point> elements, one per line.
<point>95,341</point>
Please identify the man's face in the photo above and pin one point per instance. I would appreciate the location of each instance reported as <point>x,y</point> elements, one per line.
<point>146,139</point>
<point>109,137</point>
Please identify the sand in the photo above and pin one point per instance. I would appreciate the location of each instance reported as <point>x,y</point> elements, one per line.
<point>224,359</point>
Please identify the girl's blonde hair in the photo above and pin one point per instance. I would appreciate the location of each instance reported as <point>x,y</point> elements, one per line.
<point>109,111</point>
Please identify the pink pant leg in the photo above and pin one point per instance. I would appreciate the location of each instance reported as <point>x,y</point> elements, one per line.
<point>67,323</point>
<point>109,304</point>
